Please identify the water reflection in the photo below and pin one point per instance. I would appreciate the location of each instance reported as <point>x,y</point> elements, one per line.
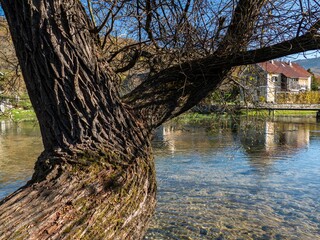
<point>173,138</point>
<point>257,180</point>
<point>267,141</point>
<point>239,179</point>
<point>263,141</point>
<point>20,144</point>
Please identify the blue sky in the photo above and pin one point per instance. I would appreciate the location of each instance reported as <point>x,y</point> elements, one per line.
<point>304,55</point>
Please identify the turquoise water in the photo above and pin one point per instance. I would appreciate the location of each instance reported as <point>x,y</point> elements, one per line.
<point>257,181</point>
<point>242,180</point>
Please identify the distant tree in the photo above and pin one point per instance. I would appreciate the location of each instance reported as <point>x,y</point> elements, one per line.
<point>95,178</point>
<point>315,83</point>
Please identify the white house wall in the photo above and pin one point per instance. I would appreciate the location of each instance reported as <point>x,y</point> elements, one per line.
<point>272,86</point>
<point>305,83</point>
<point>308,83</point>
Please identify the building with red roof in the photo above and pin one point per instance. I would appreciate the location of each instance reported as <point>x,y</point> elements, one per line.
<point>272,77</point>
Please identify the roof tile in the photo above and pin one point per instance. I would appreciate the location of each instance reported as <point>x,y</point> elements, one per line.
<point>291,70</point>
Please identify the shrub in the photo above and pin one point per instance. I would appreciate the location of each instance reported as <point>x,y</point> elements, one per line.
<point>312,97</point>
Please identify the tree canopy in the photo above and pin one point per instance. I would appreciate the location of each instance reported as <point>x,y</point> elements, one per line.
<point>178,31</point>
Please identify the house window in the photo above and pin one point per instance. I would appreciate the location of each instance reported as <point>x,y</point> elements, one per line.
<point>274,79</point>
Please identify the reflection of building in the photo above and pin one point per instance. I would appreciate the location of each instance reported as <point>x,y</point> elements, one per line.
<point>168,134</point>
<point>271,139</point>
<point>270,132</point>
<point>290,135</point>
<point>262,142</point>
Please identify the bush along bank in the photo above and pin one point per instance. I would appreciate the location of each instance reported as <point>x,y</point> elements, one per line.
<point>16,109</point>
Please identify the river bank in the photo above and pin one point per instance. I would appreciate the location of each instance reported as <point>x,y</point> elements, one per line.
<point>21,115</point>
<point>193,117</point>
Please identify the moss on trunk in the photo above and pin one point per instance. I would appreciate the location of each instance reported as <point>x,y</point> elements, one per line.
<point>100,200</point>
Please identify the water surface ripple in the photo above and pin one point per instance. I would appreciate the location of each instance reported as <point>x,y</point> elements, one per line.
<point>242,180</point>
<point>258,181</point>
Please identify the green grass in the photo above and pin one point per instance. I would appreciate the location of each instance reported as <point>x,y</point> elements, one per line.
<point>5,116</point>
<point>197,117</point>
<point>22,110</point>
<point>25,104</point>
<point>278,112</point>
<point>193,118</point>
<point>19,115</point>
<point>295,112</point>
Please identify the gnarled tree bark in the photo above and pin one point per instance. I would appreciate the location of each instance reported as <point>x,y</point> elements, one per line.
<point>95,178</point>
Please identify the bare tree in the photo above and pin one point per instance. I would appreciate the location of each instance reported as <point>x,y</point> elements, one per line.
<point>95,178</point>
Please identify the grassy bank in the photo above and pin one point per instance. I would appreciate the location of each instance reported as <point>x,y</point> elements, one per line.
<point>199,117</point>
<point>190,117</point>
<point>278,113</point>
<point>17,109</point>
<point>19,115</point>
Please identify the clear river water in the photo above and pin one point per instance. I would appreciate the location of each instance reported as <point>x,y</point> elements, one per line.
<point>231,179</point>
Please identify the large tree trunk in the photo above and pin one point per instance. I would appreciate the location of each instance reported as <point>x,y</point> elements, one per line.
<point>95,178</point>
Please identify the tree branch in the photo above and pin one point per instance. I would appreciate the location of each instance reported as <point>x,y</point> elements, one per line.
<point>242,24</point>
<point>148,22</point>
<point>315,27</point>
<point>89,3</point>
<point>131,63</point>
<point>177,89</point>
<point>300,44</point>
